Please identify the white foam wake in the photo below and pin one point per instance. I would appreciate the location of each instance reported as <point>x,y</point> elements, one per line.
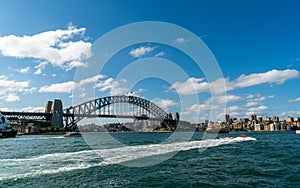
<point>61,162</point>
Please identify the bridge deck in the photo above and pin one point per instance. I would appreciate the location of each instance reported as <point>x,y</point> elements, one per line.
<point>43,114</point>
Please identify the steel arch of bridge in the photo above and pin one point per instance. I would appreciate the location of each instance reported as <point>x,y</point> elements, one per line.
<point>93,108</point>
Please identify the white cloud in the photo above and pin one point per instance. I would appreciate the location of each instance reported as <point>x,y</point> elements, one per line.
<point>235,111</point>
<point>219,101</point>
<point>56,47</point>
<point>180,40</point>
<point>249,96</point>
<point>5,109</point>
<point>24,70</point>
<point>160,54</point>
<point>12,97</point>
<point>165,103</point>
<point>67,87</point>
<point>138,52</point>
<point>226,99</point>
<point>113,86</point>
<point>191,86</point>
<point>293,113</point>
<point>9,89</point>
<point>33,109</point>
<point>197,85</point>
<point>252,103</point>
<point>64,87</point>
<point>273,76</point>
<point>93,79</point>
<point>256,110</point>
<point>30,90</point>
<point>294,100</point>
<point>183,41</point>
<point>40,67</point>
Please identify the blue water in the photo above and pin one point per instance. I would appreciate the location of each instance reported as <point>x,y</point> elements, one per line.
<point>261,160</point>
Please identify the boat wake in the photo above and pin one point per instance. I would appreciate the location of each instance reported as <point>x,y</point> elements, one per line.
<point>134,155</point>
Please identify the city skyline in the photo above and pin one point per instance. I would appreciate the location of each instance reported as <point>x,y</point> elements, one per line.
<point>256,45</point>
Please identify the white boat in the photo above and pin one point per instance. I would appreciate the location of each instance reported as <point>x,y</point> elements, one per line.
<point>5,129</point>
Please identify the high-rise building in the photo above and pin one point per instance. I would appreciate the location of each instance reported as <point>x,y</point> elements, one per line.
<point>227,118</point>
<point>253,117</point>
<point>275,119</point>
<point>170,116</point>
<point>260,119</point>
<point>176,116</point>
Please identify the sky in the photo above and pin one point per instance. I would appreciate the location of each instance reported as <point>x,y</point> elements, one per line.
<point>46,46</point>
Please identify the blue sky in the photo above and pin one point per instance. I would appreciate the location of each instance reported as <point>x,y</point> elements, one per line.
<point>256,44</point>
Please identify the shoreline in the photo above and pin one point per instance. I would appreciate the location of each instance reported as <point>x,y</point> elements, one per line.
<point>160,131</point>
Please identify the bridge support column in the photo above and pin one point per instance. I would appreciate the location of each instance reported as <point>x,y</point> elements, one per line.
<point>56,118</point>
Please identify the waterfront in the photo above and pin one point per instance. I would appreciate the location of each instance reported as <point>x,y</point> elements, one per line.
<point>265,159</point>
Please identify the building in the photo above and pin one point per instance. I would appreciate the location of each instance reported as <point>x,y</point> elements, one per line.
<point>289,119</point>
<point>275,119</point>
<point>227,118</point>
<point>257,127</point>
<point>253,117</point>
<point>266,126</point>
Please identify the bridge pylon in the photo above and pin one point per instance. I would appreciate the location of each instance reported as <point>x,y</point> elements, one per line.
<point>55,108</point>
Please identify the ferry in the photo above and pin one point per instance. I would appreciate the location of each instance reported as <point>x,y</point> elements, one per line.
<point>5,129</point>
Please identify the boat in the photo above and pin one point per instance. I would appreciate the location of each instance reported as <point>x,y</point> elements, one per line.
<point>72,134</point>
<point>216,128</point>
<point>5,129</point>
<point>243,136</point>
<point>297,131</point>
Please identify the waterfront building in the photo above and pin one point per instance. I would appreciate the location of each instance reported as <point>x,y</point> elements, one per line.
<point>288,126</point>
<point>266,126</point>
<point>253,117</point>
<point>296,119</point>
<point>277,126</point>
<point>283,126</point>
<point>272,126</point>
<point>260,119</point>
<point>275,119</point>
<point>176,116</point>
<point>257,127</point>
<point>289,119</point>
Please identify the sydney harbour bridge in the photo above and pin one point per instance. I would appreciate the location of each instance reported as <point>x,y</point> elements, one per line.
<point>123,106</point>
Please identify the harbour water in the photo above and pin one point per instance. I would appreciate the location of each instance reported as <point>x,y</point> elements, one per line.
<point>265,159</point>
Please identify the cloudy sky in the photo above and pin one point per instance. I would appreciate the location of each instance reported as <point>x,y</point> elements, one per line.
<point>256,44</point>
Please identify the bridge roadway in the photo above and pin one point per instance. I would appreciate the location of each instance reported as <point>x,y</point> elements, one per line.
<point>27,115</point>
<point>43,115</point>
